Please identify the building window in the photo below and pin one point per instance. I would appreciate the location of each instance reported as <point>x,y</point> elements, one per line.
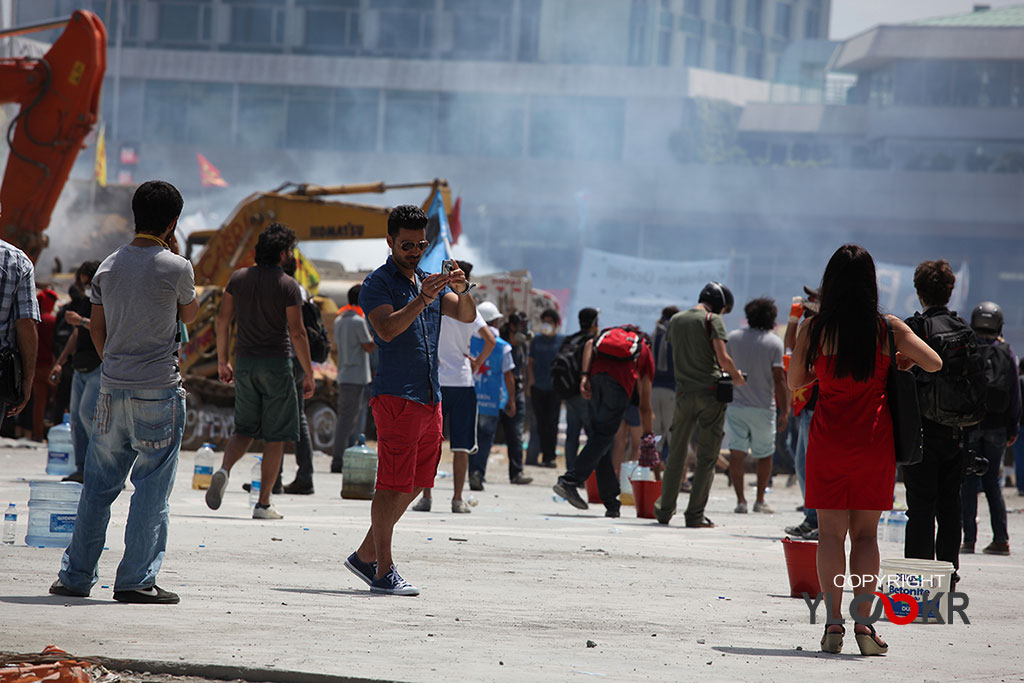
<point>257,26</point>
<point>183,23</point>
<point>101,7</point>
<point>783,20</point>
<point>165,112</point>
<point>812,24</point>
<point>332,29</point>
<point>356,115</point>
<point>723,57</point>
<point>755,64</point>
<point>261,116</point>
<point>754,15</point>
<point>664,47</point>
<point>639,32</point>
<point>406,27</point>
<point>457,124</point>
<point>692,8</point>
<point>693,48</point>
<point>210,114</point>
<point>482,29</point>
<point>584,128</point>
<point>501,123</point>
<point>409,122</point>
<point>723,11</point>
<point>529,30</point>
<point>309,118</point>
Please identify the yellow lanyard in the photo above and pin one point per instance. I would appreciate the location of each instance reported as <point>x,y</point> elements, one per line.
<point>152,237</point>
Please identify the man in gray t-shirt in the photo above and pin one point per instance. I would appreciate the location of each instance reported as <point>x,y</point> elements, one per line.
<point>354,343</point>
<point>139,293</point>
<point>750,419</point>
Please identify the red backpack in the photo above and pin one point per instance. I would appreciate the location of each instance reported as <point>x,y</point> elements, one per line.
<point>620,343</point>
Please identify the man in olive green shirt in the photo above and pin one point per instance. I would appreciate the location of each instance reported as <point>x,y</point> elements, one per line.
<point>697,337</point>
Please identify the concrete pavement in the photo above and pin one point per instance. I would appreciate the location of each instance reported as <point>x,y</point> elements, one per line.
<point>511,592</point>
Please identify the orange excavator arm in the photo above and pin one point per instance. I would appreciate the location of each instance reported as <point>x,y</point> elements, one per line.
<point>59,97</point>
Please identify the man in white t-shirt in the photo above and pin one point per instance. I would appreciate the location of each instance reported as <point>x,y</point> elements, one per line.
<point>456,368</point>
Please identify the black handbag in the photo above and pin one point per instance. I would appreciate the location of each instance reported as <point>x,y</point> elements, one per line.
<point>901,392</point>
<point>10,377</point>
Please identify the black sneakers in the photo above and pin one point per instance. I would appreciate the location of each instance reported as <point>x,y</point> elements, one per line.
<point>58,588</point>
<point>570,494</point>
<point>154,595</point>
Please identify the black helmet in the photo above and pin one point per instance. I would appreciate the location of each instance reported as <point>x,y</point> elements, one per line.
<point>717,296</point>
<point>987,317</point>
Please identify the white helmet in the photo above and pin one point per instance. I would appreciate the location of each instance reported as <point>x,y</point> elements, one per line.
<point>488,311</point>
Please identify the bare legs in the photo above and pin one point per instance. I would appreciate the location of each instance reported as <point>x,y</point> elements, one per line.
<point>385,511</point>
<point>764,474</point>
<point>833,527</point>
<point>460,467</point>
<point>273,454</point>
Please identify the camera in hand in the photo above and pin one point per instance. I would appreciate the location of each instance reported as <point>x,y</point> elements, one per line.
<point>976,464</point>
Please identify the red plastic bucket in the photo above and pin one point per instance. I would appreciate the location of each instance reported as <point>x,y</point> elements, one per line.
<point>802,565</point>
<point>593,497</point>
<point>645,493</point>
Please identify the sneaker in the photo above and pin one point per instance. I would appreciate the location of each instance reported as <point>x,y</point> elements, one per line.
<point>268,512</point>
<point>460,507</point>
<point>392,583</point>
<point>298,488</point>
<point>215,494</point>
<point>476,481</point>
<point>761,506</point>
<point>366,571</point>
<point>966,548</point>
<point>799,530</point>
<point>74,476</point>
<point>422,505</point>
<point>550,464</point>
<point>612,512</point>
<point>741,509</point>
<point>58,588</point>
<point>521,479</point>
<point>702,524</point>
<point>154,595</point>
<point>336,467</point>
<point>997,548</point>
<point>811,535</point>
<point>570,494</point>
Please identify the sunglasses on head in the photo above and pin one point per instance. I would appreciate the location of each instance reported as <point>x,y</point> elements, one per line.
<point>406,245</point>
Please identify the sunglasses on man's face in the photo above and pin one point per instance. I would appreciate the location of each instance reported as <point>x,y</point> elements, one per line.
<point>406,245</point>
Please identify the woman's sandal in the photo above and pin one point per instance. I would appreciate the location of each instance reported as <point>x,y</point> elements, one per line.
<point>869,645</point>
<point>833,642</point>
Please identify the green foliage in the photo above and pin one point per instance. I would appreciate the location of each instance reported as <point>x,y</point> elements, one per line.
<point>708,134</point>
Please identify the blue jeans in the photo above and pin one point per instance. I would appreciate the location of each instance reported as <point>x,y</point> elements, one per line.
<point>136,430</point>
<point>991,445</point>
<point>85,387</point>
<point>804,431</point>
<point>486,426</point>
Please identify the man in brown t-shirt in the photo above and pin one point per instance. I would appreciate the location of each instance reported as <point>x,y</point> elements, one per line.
<point>267,304</point>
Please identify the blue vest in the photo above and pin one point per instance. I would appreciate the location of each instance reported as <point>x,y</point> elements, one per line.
<point>491,394</point>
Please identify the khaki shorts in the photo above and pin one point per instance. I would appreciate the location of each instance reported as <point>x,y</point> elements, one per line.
<point>266,405</point>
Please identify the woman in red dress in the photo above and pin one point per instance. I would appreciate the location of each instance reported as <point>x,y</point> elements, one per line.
<point>851,466</point>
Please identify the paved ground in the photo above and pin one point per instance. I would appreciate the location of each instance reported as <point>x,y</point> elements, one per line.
<point>511,592</point>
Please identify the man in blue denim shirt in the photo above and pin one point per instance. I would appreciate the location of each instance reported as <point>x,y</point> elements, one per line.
<point>403,306</point>
<point>138,295</point>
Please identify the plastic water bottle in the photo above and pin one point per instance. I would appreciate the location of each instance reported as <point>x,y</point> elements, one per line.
<point>60,457</point>
<point>10,522</point>
<point>202,470</point>
<point>898,527</point>
<point>472,501</point>
<point>257,475</point>
<point>883,525</point>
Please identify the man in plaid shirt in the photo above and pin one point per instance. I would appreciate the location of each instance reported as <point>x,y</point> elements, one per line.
<point>19,315</point>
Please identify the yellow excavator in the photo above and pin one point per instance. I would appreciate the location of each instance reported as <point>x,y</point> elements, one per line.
<point>314,216</point>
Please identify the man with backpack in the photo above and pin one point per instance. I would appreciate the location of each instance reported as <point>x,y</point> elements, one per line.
<point>614,364</point>
<point>566,373</point>
<point>996,432</point>
<point>950,400</point>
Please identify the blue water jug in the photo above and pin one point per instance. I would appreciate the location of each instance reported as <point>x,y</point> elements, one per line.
<point>60,457</point>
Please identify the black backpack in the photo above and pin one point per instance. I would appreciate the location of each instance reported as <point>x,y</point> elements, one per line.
<point>954,396</point>
<point>319,341</point>
<point>567,367</point>
<point>1001,372</point>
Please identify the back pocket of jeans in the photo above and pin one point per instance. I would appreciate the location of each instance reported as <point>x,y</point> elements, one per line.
<point>154,421</point>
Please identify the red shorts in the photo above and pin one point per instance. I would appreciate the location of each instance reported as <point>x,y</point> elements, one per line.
<point>408,443</point>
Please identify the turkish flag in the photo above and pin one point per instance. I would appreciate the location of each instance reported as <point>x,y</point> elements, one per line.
<point>209,176</point>
<point>455,221</point>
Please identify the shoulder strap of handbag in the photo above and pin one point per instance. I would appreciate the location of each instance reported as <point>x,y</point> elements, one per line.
<point>707,329</point>
<point>892,342</point>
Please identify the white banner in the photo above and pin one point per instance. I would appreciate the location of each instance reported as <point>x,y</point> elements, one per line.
<point>896,293</point>
<point>633,290</point>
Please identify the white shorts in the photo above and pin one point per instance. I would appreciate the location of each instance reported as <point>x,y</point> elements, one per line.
<point>751,430</point>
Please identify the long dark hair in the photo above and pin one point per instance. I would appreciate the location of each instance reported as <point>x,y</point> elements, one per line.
<point>849,317</point>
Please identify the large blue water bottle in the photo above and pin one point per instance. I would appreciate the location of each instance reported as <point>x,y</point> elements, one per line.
<point>60,457</point>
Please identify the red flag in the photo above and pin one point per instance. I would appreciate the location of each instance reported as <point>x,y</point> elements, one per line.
<point>209,176</point>
<point>454,221</point>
